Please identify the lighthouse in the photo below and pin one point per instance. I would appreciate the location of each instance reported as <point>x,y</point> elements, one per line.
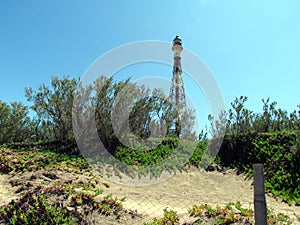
<point>177,93</point>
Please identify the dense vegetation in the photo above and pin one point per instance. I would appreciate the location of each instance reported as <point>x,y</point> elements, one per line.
<point>270,137</point>
<point>277,151</point>
<point>53,107</point>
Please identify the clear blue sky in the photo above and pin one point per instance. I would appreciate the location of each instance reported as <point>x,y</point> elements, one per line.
<point>252,47</point>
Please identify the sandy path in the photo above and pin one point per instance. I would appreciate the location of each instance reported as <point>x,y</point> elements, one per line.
<point>183,190</point>
<point>7,192</point>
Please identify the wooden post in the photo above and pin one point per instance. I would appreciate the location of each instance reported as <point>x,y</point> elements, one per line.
<point>260,206</point>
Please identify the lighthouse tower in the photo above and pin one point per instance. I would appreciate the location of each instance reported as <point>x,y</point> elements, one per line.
<point>177,93</point>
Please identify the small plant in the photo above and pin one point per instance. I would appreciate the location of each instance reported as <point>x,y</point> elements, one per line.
<point>232,213</point>
<point>197,210</point>
<point>170,218</point>
<point>280,218</point>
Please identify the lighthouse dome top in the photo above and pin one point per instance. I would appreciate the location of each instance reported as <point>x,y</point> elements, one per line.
<point>177,41</point>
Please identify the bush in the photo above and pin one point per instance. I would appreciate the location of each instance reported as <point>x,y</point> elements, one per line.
<point>278,152</point>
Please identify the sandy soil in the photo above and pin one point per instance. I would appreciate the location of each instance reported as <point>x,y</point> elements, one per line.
<point>7,192</point>
<point>179,192</point>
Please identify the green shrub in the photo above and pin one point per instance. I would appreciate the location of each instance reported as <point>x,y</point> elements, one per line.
<point>278,152</point>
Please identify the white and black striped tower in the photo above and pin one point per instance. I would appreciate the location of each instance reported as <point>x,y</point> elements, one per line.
<point>177,93</point>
